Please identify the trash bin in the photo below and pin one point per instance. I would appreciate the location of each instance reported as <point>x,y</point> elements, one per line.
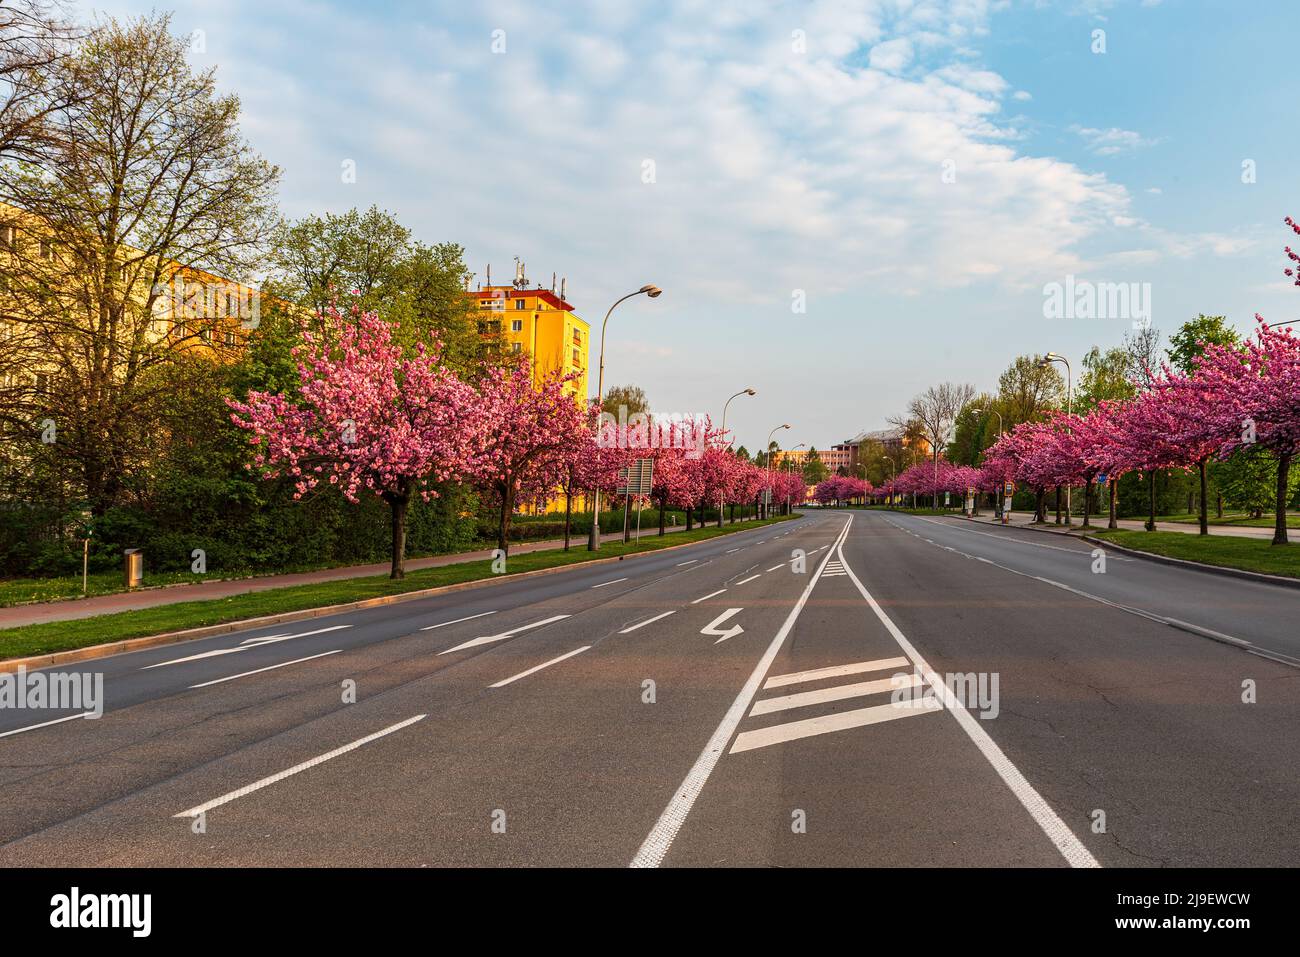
<point>133,567</point>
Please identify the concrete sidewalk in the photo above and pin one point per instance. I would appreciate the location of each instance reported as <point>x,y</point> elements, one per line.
<point>1025,520</point>
<point>76,608</point>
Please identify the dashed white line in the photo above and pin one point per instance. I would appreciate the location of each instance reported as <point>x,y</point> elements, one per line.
<point>612,581</point>
<point>648,621</point>
<point>258,671</point>
<point>536,668</point>
<point>775,567</point>
<point>749,579</point>
<point>712,594</point>
<point>46,724</point>
<point>457,621</point>
<point>297,768</point>
<point>691,562</point>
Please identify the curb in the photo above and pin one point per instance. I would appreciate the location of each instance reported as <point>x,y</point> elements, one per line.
<point>10,665</point>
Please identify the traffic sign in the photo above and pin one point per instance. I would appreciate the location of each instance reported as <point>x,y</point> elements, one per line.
<point>637,478</point>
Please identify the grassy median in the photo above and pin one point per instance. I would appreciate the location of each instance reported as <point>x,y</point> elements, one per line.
<point>65,635</point>
<point>1249,554</point>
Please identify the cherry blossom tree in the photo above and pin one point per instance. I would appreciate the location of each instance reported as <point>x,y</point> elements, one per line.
<point>367,419</point>
<point>536,428</point>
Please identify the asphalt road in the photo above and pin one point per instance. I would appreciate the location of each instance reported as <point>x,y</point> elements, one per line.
<point>911,692</point>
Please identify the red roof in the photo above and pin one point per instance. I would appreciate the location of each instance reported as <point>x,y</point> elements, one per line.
<point>545,295</point>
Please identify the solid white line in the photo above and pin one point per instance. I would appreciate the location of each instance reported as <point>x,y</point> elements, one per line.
<point>835,671</point>
<point>457,621</point>
<point>258,671</point>
<point>802,699</point>
<point>1071,848</point>
<point>612,581</point>
<point>691,562</point>
<point>660,838</point>
<point>712,594</point>
<point>745,581</point>
<point>824,724</point>
<point>537,668</point>
<point>46,724</point>
<point>274,778</point>
<point>648,621</point>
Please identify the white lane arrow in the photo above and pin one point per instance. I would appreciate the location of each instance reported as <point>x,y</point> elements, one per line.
<point>486,639</point>
<point>712,627</point>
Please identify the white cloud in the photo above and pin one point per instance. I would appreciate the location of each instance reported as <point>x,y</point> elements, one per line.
<point>892,56</point>
<point>1112,141</point>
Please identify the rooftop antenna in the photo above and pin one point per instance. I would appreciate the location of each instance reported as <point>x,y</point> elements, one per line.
<point>562,282</point>
<point>489,276</point>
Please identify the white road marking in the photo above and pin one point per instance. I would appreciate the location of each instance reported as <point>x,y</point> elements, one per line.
<point>258,671</point>
<point>712,628</point>
<point>1018,541</point>
<point>275,778</point>
<point>712,594</point>
<point>1071,848</point>
<point>835,671</point>
<point>648,621</point>
<point>691,562</point>
<point>488,639</point>
<point>536,668</point>
<point>612,581</point>
<point>802,699</point>
<point>457,621</point>
<point>775,567</point>
<point>246,645</point>
<point>266,639</point>
<point>660,838</point>
<point>745,581</point>
<point>46,724</point>
<point>824,724</point>
<point>730,550</point>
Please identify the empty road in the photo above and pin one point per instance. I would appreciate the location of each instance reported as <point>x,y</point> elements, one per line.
<point>864,688</point>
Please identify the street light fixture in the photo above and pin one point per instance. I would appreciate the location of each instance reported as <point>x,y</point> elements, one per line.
<point>653,292</point>
<point>1043,363</point>
<point>724,432</point>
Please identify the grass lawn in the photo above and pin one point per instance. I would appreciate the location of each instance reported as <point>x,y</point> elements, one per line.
<point>65,635</point>
<point>1250,554</point>
<point>1292,520</point>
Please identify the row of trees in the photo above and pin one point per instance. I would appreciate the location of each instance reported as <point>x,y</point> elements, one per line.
<point>369,416</point>
<point>1237,404</point>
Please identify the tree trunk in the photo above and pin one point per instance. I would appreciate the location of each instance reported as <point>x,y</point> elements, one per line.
<point>1218,505</point>
<point>1114,493</point>
<point>663,513</point>
<point>1040,506</point>
<point>690,517</point>
<point>507,509</point>
<point>1283,475</point>
<point>568,515</point>
<point>1058,505</point>
<point>719,514</point>
<point>1205,505</point>
<point>398,504</point>
<point>1151,480</point>
<point>733,513</point>
<point>1087,504</point>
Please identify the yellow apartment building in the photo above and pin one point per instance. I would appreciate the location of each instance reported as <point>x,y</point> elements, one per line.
<point>540,324</point>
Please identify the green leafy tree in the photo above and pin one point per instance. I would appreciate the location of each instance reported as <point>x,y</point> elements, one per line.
<point>1188,343</point>
<point>1026,391</point>
<point>632,397</point>
<point>1104,378</point>
<point>814,469</point>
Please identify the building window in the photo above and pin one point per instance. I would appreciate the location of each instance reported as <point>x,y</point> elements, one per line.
<point>46,250</point>
<point>577,357</point>
<point>516,325</point>
<point>516,347</point>
<point>230,339</point>
<point>521,303</point>
<point>8,236</point>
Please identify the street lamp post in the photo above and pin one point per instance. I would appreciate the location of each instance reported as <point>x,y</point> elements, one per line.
<point>768,447</point>
<point>997,502</point>
<point>724,432</point>
<point>1043,363</point>
<point>593,537</point>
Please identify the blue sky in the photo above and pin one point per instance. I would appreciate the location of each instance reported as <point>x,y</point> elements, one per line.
<point>799,147</point>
